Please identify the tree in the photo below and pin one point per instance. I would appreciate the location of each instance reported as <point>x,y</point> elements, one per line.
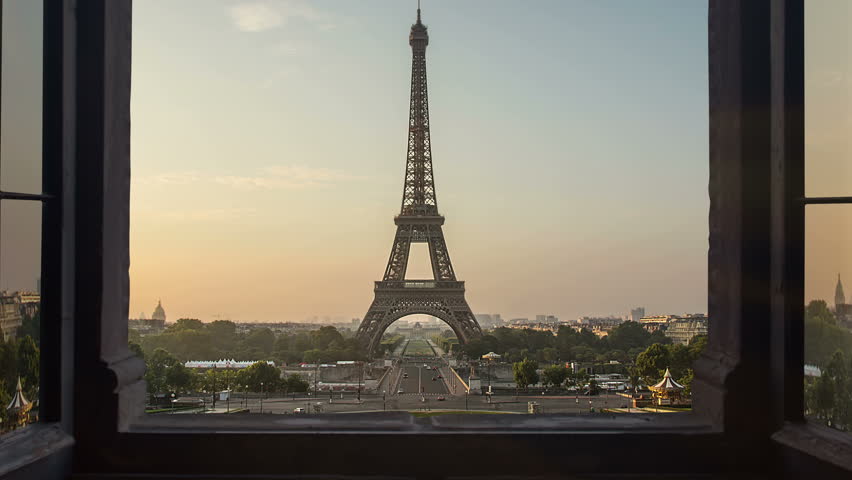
<point>31,326</point>
<point>262,376</point>
<point>179,378</point>
<point>261,339</point>
<point>136,349</point>
<point>824,336</point>
<point>28,365</point>
<point>323,337</point>
<point>295,383</point>
<point>186,324</point>
<point>525,373</point>
<point>634,376</point>
<point>818,310</point>
<point>686,381</point>
<point>593,387</point>
<point>8,363</point>
<point>652,363</point>
<point>5,399</point>
<point>555,375</point>
<point>158,364</point>
<point>628,335</point>
<point>223,334</point>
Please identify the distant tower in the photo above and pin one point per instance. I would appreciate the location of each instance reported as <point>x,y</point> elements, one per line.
<point>418,221</point>
<point>839,298</point>
<point>159,313</point>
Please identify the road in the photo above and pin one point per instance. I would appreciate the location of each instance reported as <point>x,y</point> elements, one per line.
<point>420,380</point>
<point>413,402</point>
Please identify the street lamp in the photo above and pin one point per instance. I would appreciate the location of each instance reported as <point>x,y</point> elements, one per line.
<point>245,396</point>
<point>261,397</point>
<point>229,400</point>
<point>173,402</point>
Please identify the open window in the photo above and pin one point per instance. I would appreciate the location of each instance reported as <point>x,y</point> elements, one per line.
<point>748,385</point>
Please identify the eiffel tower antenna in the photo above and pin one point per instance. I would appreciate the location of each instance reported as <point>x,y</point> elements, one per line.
<point>418,221</point>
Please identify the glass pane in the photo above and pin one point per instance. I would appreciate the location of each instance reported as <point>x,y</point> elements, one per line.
<point>828,98</point>
<point>20,271</point>
<point>21,96</point>
<point>269,159</point>
<point>828,315</point>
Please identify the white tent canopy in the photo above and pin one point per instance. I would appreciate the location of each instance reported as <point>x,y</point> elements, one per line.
<point>667,384</point>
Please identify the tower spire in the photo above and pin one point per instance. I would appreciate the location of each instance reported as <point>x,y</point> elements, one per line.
<point>418,11</point>
<point>839,297</point>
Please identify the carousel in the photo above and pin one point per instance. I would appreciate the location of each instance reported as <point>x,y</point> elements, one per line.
<point>668,392</point>
<point>18,410</point>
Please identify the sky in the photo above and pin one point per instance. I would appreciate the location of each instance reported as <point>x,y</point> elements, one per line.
<point>569,146</point>
<point>269,140</point>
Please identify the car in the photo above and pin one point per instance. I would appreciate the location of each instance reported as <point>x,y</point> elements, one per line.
<point>440,376</point>
<point>400,391</point>
<point>404,375</point>
<point>441,399</point>
<point>433,379</point>
<point>299,410</point>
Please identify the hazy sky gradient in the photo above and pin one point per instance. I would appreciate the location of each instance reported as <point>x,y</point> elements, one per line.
<point>20,143</point>
<point>570,146</point>
<point>269,137</point>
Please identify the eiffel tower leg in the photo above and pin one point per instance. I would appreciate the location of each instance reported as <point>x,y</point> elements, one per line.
<point>442,268</point>
<point>370,331</point>
<point>398,261</point>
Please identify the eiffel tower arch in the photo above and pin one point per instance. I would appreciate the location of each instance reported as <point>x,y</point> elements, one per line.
<point>418,222</point>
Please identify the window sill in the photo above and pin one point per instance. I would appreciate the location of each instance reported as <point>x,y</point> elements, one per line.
<point>822,443</point>
<point>387,443</point>
<point>24,447</point>
<point>401,422</point>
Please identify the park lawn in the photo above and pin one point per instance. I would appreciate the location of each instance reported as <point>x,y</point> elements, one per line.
<point>418,348</point>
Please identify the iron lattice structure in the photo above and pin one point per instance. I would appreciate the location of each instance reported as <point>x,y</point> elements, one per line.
<point>418,222</point>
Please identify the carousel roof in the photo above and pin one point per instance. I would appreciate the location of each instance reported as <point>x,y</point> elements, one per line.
<point>667,384</point>
<point>19,402</point>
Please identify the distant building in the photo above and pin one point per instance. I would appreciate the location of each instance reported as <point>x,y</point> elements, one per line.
<point>10,315</point>
<point>553,328</point>
<point>636,314</point>
<point>683,330</point>
<point>680,328</point>
<point>159,313</point>
<point>223,363</point>
<point>600,326</point>
<point>842,310</point>
<point>484,320</point>
<point>149,326</point>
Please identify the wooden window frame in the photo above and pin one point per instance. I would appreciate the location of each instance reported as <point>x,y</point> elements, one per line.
<point>747,388</point>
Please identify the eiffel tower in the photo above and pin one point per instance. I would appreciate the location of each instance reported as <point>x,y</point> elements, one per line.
<point>418,222</point>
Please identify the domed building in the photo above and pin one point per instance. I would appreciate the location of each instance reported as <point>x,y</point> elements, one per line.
<point>159,313</point>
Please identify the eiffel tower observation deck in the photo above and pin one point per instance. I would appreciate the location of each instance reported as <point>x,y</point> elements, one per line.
<point>418,222</point>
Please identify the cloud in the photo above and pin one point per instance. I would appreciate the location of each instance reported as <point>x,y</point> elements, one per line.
<point>255,17</point>
<point>287,177</point>
<point>265,15</point>
<point>172,178</point>
<point>278,177</point>
<point>209,215</point>
<point>293,49</point>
